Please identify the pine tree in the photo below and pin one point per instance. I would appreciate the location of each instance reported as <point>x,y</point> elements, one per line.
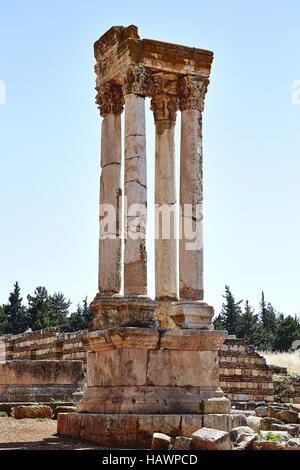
<point>269,325</point>
<point>249,328</point>
<point>288,331</point>
<point>229,318</point>
<point>80,319</point>
<point>3,321</point>
<point>15,312</point>
<point>39,309</point>
<point>87,312</point>
<point>59,309</point>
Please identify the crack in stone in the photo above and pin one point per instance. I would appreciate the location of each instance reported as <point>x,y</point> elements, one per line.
<point>136,181</point>
<point>110,163</point>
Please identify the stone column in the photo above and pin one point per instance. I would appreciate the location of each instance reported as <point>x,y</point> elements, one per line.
<point>191,92</point>
<point>110,101</point>
<point>136,85</point>
<point>165,106</point>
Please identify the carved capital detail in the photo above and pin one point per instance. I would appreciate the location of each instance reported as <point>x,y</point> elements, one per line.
<point>110,99</point>
<point>137,79</point>
<point>164,106</point>
<point>191,92</point>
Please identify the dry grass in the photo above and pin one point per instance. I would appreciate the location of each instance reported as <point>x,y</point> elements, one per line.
<point>290,360</point>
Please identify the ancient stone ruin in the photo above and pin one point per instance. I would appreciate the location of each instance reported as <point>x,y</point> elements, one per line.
<point>135,370</point>
<point>244,376</point>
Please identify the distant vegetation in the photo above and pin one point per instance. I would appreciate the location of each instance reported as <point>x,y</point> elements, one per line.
<point>42,310</point>
<point>267,329</point>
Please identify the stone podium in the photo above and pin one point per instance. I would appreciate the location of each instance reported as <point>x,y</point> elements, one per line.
<point>146,374</point>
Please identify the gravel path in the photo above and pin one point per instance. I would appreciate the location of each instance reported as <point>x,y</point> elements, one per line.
<point>32,434</point>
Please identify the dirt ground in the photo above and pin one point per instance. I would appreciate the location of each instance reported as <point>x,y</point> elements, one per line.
<point>32,434</point>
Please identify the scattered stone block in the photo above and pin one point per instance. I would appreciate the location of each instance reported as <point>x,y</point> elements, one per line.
<point>261,411</point>
<point>160,441</point>
<point>288,416</point>
<point>182,443</point>
<point>211,439</point>
<point>292,429</point>
<point>267,445</point>
<point>274,410</point>
<point>235,433</point>
<point>295,407</point>
<point>254,422</point>
<point>266,423</point>
<point>64,409</point>
<point>292,444</point>
<point>32,411</point>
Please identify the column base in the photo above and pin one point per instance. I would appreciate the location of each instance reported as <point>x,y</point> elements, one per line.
<point>117,310</point>
<point>192,314</point>
<point>135,431</point>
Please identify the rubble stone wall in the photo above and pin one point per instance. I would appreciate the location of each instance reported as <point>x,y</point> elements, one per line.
<point>244,374</point>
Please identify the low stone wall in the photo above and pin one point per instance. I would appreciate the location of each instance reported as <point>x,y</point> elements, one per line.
<point>41,381</point>
<point>48,344</point>
<point>244,375</point>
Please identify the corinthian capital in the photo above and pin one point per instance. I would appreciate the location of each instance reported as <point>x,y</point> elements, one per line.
<point>164,106</point>
<point>110,99</point>
<point>191,92</point>
<point>137,79</point>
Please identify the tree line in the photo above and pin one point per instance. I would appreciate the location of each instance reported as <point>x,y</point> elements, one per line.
<point>42,311</point>
<point>267,329</point>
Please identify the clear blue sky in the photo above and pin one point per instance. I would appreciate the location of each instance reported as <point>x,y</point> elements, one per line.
<point>50,142</point>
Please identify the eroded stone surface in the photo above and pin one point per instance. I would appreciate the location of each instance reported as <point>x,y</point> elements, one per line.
<point>210,439</point>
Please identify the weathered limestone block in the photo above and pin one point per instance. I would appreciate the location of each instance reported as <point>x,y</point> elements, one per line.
<point>122,311</point>
<point>192,314</point>
<point>172,368</point>
<point>149,424</point>
<point>160,441</point>
<point>182,443</point>
<point>254,422</point>
<point>292,429</point>
<point>120,367</point>
<point>223,422</point>
<point>210,439</point>
<point>267,445</point>
<point>32,411</point>
<point>191,423</point>
<point>64,409</point>
<point>266,423</point>
<point>243,438</point>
